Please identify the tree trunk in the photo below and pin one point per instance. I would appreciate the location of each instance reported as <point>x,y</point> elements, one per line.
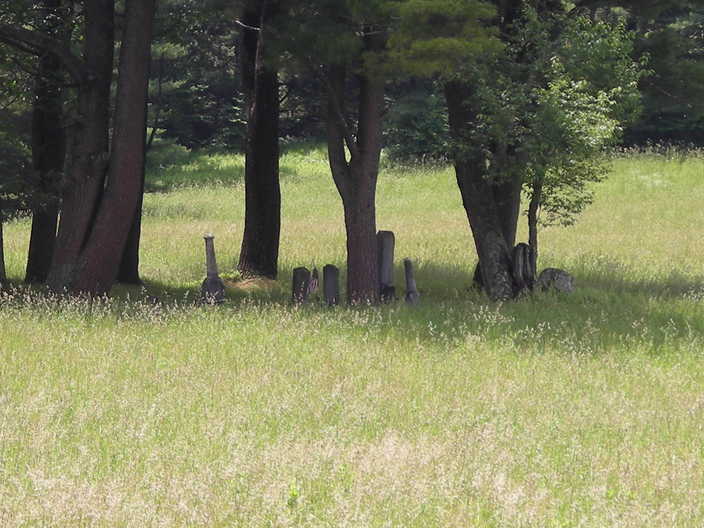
<point>41,243</point>
<point>3,275</point>
<point>479,201</point>
<point>48,150</point>
<point>99,261</point>
<point>507,195</point>
<point>533,209</point>
<point>85,177</point>
<point>260,242</point>
<point>356,179</point>
<point>128,272</point>
<point>362,250</point>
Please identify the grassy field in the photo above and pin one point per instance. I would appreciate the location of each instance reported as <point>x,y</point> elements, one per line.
<point>553,411</point>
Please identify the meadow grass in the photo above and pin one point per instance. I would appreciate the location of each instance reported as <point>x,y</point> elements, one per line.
<point>551,411</point>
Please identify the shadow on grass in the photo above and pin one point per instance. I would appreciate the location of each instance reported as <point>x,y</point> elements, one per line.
<point>170,166</point>
<point>604,311</point>
<point>607,311</point>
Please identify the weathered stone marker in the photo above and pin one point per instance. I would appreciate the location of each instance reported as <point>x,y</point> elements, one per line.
<point>557,279</point>
<point>385,244</point>
<point>212,291</point>
<point>331,285</point>
<point>412,295</point>
<point>301,285</point>
<point>314,282</point>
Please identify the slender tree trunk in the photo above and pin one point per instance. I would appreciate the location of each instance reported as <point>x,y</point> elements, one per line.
<point>3,276</point>
<point>48,150</point>
<point>100,259</point>
<point>84,181</point>
<point>260,242</point>
<point>533,209</point>
<point>479,201</point>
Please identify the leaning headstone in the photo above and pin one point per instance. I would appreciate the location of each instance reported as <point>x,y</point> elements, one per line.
<point>301,285</point>
<point>331,285</point>
<point>212,291</point>
<point>412,295</point>
<point>557,279</point>
<point>385,245</point>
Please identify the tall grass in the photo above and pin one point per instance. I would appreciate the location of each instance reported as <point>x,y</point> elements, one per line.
<point>580,410</point>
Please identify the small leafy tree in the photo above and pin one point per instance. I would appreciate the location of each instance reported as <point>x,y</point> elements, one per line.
<point>588,91</point>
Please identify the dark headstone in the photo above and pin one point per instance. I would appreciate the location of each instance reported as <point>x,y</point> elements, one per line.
<point>555,279</point>
<point>523,267</point>
<point>301,285</point>
<point>331,285</point>
<point>212,290</point>
<point>385,245</point>
<point>412,295</point>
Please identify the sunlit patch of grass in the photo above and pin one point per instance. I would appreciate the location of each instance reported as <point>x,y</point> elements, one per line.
<point>149,409</point>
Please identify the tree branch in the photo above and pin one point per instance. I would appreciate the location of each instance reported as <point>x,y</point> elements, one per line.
<point>336,105</point>
<point>37,43</point>
<point>246,26</point>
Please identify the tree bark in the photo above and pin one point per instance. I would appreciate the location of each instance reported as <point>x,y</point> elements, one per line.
<point>99,261</point>
<point>85,177</point>
<point>478,199</point>
<point>128,272</point>
<point>533,209</point>
<point>260,242</point>
<point>48,149</point>
<point>507,195</point>
<point>3,275</point>
<point>356,179</point>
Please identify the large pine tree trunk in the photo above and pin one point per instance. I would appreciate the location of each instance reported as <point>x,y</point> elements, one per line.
<point>85,177</point>
<point>260,242</point>
<point>128,272</point>
<point>48,149</point>
<point>99,261</point>
<point>41,242</point>
<point>479,201</point>
<point>362,258</point>
<point>356,179</point>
